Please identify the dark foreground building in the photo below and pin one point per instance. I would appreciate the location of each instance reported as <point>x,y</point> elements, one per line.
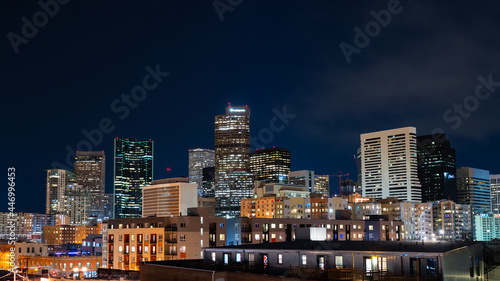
<point>329,260</point>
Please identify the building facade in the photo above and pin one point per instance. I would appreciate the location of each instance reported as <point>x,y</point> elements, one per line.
<point>270,165</point>
<point>436,168</point>
<point>451,221</point>
<point>495,194</point>
<point>169,197</point>
<point>199,159</point>
<point>58,180</point>
<point>389,164</point>
<point>133,169</point>
<point>90,167</point>
<point>128,242</point>
<point>473,188</point>
<point>233,180</point>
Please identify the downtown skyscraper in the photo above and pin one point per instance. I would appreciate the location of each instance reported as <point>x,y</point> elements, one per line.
<point>90,167</point>
<point>473,188</point>
<point>199,159</point>
<point>389,164</point>
<point>270,165</point>
<point>436,168</point>
<point>233,180</point>
<point>133,169</point>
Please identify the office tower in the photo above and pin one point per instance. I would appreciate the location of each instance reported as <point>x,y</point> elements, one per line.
<point>473,188</point>
<point>451,221</point>
<point>270,165</point>
<point>57,182</point>
<point>169,197</point>
<point>303,178</point>
<point>233,180</point>
<point>322,185</point>
<point>389,164</point>
<point>90,169</point>
<point>133,169</point>
<point>348,186</point>
<point>76,204</point>
<point>495,194</point>
<point>436,168</point>
<point>198,159</point>
<point>107,201</point>
<point>208,183</point>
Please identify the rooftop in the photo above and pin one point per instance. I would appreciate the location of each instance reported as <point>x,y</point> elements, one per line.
<point>381,246</point>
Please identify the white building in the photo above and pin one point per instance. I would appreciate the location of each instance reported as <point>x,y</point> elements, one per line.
<point>389,164</point>
<point>169,197</point>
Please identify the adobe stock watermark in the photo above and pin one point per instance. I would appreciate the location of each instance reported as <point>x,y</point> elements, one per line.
<point>12,219</point>
<point>276,124</point>
<point>40,19</point>
<point>222,6</point>
<point>458,112</point>
<point>372,29</point>
<point>122,108</point>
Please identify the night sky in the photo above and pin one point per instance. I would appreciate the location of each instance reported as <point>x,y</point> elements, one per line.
<point>268,55</point>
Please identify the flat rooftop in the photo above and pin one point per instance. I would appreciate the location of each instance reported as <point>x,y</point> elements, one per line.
<point>382,246</point>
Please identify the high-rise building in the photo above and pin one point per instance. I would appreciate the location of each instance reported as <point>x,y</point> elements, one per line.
<point>495,194</point>
<point>322,185</point>
<point>208,183</point>
<point>58,181</point>
<point>107,206</point>
<point>473,188</point>
<point>303,178</point>
<point>348,186</point>
<point>76,204</point>
<point>133,169</point>
<point>199,158</point>
<point>389,164</point>
<point>90,168</point>
<point>436,168</point>
<point>233,180</point>
<point>270,165</point>
<point>169,197</point>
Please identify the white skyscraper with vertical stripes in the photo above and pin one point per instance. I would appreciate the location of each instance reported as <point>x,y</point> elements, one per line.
<point>389,164</point>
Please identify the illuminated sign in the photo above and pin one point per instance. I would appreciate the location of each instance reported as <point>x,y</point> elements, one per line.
<point>237,110</point>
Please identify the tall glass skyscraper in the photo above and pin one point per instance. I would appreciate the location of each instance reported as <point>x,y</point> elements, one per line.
<point>473,188</point>
<point>233,180</point>
<point>90,167</point>
<point>436,168</point>
<point>199,158</point>
<point>133,169</point>
<point>270,165</point>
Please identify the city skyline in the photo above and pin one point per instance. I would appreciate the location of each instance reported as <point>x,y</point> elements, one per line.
<point>411,74</point>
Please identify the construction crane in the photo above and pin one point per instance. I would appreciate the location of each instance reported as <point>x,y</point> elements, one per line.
<point>340,175</point>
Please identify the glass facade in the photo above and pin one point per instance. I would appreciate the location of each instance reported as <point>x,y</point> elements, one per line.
<point>198,160</point>
<point>270,165</point>
<point>436,168</point>
<point>233,180</point>
<point>473,188</point>
<point>133,169</point>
